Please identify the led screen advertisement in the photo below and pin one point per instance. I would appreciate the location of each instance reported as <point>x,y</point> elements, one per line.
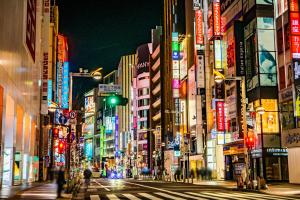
<point>89,105</point>
<point>143,53</point>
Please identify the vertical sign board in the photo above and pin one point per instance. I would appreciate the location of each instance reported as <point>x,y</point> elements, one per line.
<point>117,135</point>
<point>59,68</point>
<point>220,115</point>
<point>239,48</point>
<point>200,76</point>
<point>65,86</point>
<point>175,65</point>
<point>199,27</point>
<point>45,59</point>
<point>295,29</point>
<point>30,36</point>
<point>217,17</point>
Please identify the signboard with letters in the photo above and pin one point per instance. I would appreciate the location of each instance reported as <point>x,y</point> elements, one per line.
<point>290,138</point>
<point>107,88</point>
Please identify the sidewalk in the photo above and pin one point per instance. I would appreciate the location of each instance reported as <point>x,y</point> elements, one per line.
<point>273,188</point>
<point>36,190</point>
<point>10,191</point>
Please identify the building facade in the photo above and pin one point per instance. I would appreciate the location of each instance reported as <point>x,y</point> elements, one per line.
<point>21,68</point>
<point>125,113</point>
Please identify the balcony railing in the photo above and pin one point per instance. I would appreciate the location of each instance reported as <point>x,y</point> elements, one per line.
<point>156,77</point>
<point>156,89</point>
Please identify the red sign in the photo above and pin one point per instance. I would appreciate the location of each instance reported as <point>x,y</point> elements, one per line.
<point>295,45</point>
<point>294,6</point>
<point>199,27</point>
<point>220,115</point>
<point>217,18</point>
<point>295,23</point>
<point>31,27</point>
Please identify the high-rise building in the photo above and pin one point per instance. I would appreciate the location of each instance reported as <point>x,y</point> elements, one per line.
<point>111,121</point>
<point>125,113</point>
<point>155,99</point>
<point>141,103</point>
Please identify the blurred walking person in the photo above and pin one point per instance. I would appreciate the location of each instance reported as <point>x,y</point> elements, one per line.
<point>60,181</point>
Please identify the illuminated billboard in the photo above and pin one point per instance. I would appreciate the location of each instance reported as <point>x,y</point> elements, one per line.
<point>218,54</point>
<point>143,53</point>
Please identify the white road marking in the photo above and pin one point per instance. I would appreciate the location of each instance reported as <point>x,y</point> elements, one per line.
<point>264,196</point>
<point>112,197</point>
<point>204,196</point>
<point>149,196</point>
<point>102,186</point>
<point>238,195</point>
<point>94,197</point>
<point>168,196</point>
<point>221,196</point>
<point>131,197</point>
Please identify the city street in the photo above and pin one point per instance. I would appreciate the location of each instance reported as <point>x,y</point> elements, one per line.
<point>134,190</point>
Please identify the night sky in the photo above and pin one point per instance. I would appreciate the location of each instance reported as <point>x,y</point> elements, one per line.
<point>99,32</point>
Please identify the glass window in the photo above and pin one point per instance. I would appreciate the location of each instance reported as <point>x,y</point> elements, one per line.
<point>287,115</point>
<point>143,91</point>
<point>280,41</point>
<point>266,40</point>
<point>265,23</point>
<point>264,2</point>
<point>268,79</point>
<point>143,102</point>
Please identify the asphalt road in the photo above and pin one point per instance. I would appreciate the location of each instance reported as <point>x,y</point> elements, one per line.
<point>106,189</point>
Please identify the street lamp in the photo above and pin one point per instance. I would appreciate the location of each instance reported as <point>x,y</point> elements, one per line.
<point>260,110</point>
<point>96,74</point>
<point>219,77</point>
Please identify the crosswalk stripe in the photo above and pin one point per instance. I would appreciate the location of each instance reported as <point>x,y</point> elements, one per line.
<point>204,196</point>
<point>130,196</point>
<point>112,197</point>
<point>221,196</point>
<point>238,195</point>
<point>94,197</point>
<point>168,196</point>
<point>265,196</point>
<point>149,196</point>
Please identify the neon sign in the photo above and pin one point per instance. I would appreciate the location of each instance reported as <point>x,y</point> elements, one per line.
<point>217,18</point>
<point>220,115</point>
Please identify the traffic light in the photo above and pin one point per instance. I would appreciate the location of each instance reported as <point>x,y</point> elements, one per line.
<point>55,132</point>
<point>250,142</point>
<point>116,100</point>
<point>61,147</point>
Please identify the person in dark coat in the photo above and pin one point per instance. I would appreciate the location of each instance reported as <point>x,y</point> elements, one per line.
<point>87,176</point>
<point>60,181</point>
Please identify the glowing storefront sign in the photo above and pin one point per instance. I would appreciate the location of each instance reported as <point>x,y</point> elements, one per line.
<point>220,115</point>
<point>65,86</point>
<point>218,54</point>
<point>199,27</point>
<point>217,18</point>
<point>49,92</point>
<point>295,28</point>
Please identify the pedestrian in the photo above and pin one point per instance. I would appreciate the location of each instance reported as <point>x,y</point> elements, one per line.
<point>60,181</point>
<point>87,176</point>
